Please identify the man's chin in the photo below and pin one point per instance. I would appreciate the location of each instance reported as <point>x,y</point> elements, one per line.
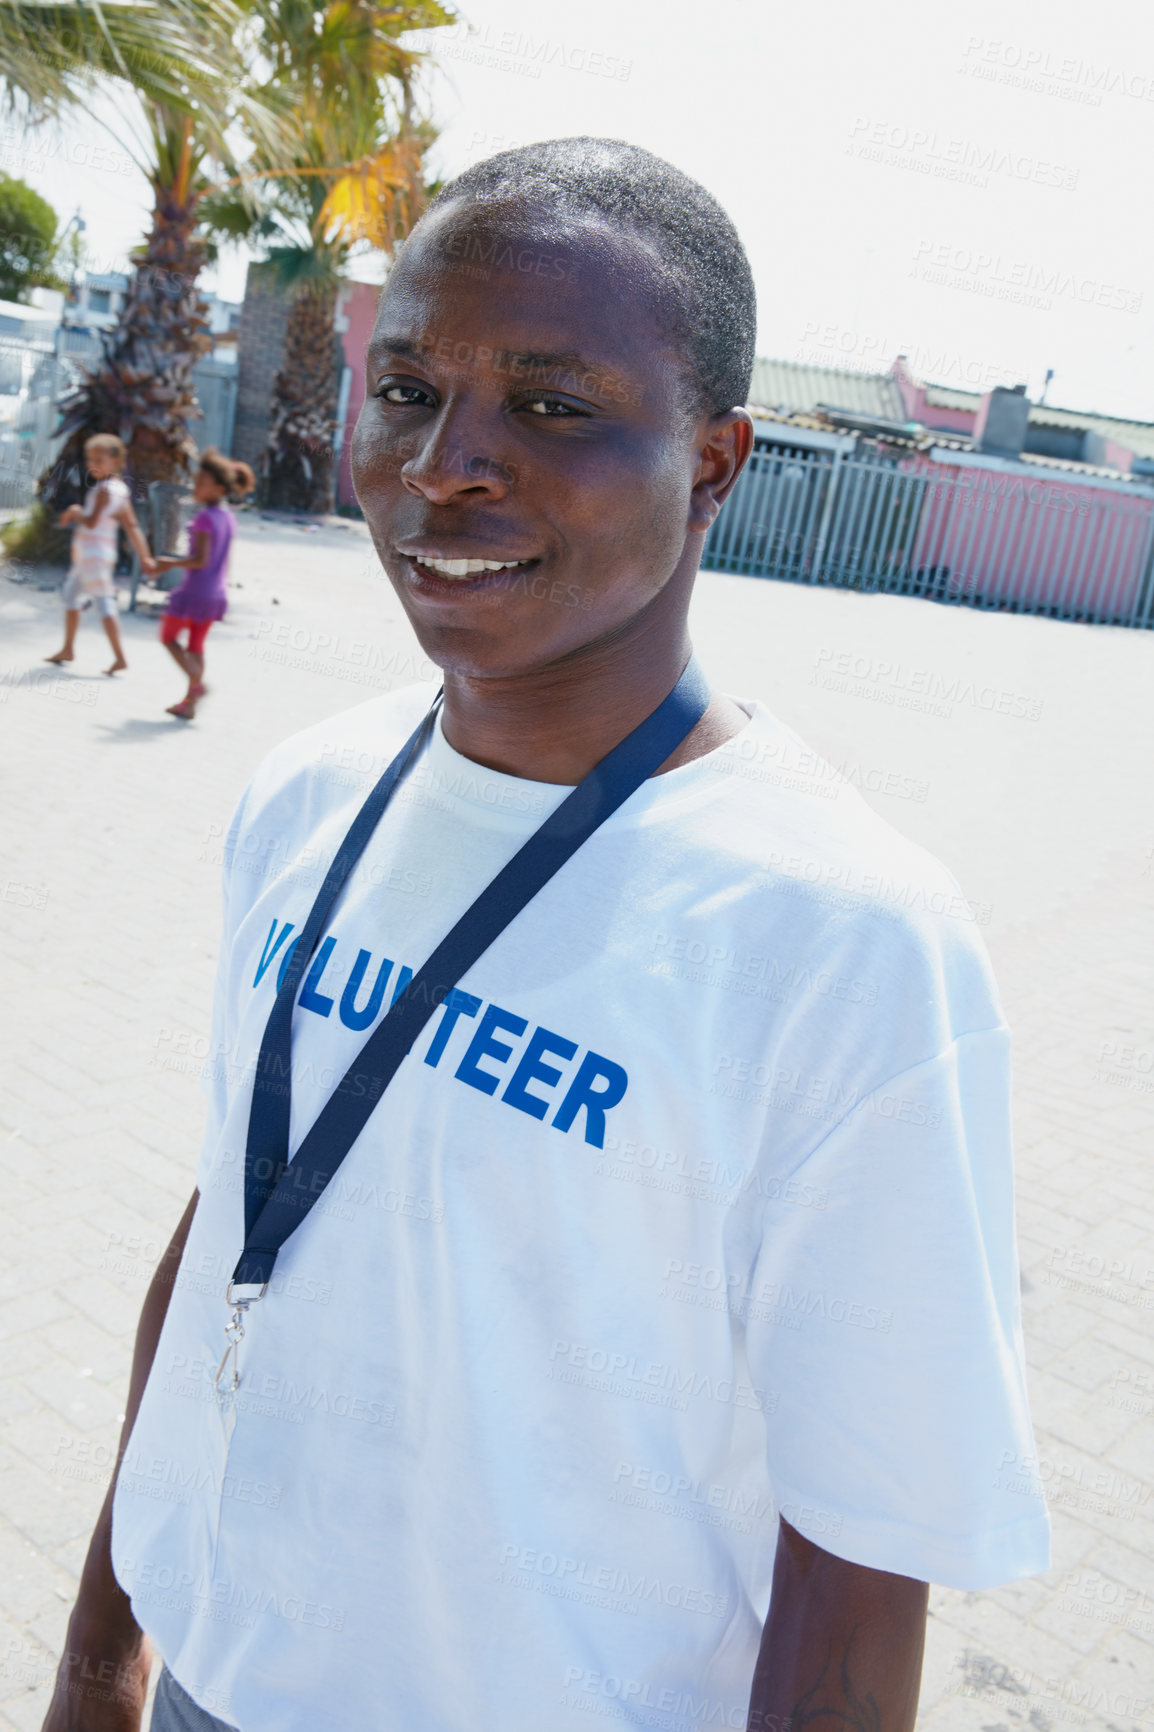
<point>468,650</point>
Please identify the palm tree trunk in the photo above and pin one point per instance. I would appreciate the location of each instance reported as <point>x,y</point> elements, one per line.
<point>142,387</point>
<point>298,463</point>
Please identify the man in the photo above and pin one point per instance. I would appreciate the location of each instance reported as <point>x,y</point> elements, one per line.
<point>675,1263</point>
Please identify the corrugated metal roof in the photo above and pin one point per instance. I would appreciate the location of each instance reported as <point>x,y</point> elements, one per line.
<point>1068,463</point>
<point>1137,435</point>
<point>945,397</point>
<point>797,385</point>
<point>954,442</point>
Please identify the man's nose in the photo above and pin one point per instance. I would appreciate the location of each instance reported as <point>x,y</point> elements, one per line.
<point>457,460</point>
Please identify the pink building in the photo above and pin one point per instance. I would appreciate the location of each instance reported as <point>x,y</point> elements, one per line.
<point>1018,535</point>
<point>356,311</point>
<point>920,405</point>
<point>880,481</point>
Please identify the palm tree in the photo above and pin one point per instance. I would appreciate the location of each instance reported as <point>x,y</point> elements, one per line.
<point>356,181</point>
<point>186,61</point>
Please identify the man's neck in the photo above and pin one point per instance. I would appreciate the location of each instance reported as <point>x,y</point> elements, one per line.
<point>555,723</point>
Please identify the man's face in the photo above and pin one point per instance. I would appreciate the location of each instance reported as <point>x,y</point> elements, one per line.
<point>524,409</point>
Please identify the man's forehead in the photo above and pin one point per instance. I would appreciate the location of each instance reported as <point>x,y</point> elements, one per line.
<point>529,259</point>
<point>496,327</point>
<point>505,233</point>
<point>494,292</point>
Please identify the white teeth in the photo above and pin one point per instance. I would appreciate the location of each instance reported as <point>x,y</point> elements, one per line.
<point>468,567</point>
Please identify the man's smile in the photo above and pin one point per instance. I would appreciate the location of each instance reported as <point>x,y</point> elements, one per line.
<point>436,570</point>
<point>468,567</point>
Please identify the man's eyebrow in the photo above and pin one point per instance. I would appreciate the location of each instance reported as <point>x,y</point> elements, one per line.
<point>542,359</point>
<point>523,360</point>
<point>398,346</point>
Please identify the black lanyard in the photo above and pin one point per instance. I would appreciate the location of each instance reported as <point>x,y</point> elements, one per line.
<point>278,1193</point>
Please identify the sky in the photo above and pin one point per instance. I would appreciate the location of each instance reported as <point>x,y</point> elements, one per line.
<point>964,185</point>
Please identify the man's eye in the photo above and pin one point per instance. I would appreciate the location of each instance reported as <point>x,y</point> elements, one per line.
<point>405,395</point>
<point>549,406</point>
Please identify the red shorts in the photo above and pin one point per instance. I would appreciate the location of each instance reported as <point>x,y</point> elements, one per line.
<point>172,625</point>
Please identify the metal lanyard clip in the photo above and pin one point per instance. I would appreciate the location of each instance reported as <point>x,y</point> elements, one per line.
<point>234,1330</point>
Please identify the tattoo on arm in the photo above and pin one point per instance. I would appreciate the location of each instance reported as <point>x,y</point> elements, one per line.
<point>859,1714</point>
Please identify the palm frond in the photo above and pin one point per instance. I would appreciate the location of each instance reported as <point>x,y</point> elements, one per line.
<point>304,269</point>
<point>182,58</point>
<point>378,198</point>
<point>235,213</point>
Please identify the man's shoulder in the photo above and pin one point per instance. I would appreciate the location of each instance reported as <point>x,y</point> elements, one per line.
<point>804,812</point>
<point>346,751</point>
<point>804,837</point>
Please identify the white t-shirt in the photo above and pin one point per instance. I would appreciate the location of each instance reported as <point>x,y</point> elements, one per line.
<point>693,1205</point>
<point>96,547</point>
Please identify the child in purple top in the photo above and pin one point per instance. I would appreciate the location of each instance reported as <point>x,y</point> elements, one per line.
<point>202,597</point>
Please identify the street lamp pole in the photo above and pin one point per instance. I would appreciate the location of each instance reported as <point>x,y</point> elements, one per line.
<point>76,222</point>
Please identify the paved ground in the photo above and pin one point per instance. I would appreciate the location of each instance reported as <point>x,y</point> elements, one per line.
<point>1018,749</point>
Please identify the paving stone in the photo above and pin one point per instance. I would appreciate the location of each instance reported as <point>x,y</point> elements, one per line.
<point>24,1661</point>
<point>86,1345</point>
<point>1055,1325</point>
<point>29,1579</point>
<point>100,1298</point>
<point>26,1713</point>
<point>1071,1621</point>
<point>1083,1365</point>
<point>80,1399</point>
<point>27,1310</point>
<point>1113,1587</point>
<point>1115,1683</point>
<point>38,1505</point>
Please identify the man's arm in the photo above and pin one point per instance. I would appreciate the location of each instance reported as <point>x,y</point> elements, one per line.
<point>842,1645</point>
<point>102,1679</point>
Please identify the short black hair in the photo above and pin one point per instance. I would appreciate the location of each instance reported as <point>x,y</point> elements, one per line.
<point>705,294</point>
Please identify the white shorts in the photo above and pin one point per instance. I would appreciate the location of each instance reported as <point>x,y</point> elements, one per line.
<point>90,580</point>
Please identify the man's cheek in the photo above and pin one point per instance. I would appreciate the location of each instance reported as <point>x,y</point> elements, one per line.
<point>365,458</point>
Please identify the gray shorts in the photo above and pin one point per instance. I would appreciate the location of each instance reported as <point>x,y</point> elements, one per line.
<point>90,582</point>
<point>174,1710</point>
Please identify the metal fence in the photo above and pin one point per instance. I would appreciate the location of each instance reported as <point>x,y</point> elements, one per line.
<point>1038,542</point>
<point>215,384</point>
<point>33,378</point>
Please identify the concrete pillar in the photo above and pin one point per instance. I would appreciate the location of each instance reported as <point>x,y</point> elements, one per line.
<point>1000,427</point>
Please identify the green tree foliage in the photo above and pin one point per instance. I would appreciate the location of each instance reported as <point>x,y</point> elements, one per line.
<point>180,73</point>
<point>28,243</point>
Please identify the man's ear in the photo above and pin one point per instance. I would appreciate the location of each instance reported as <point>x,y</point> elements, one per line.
<point>726,442</point>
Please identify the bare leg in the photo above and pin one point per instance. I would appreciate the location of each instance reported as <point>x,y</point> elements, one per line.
<point>71,626</point>
<point>112,630</point>
<point>192,666</point>
<point>195,671</point>
<point>181,657</point>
